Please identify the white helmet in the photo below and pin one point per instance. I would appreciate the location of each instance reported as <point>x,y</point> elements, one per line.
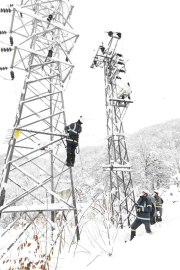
<point>81,119</point>
<point>146,191</point>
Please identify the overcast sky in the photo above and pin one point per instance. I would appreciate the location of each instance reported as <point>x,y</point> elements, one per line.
<point>151,43</point>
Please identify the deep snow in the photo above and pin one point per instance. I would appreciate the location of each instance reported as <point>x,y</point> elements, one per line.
<point>157,251</point>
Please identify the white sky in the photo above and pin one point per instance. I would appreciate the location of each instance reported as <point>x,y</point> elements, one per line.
<point>151,43</point>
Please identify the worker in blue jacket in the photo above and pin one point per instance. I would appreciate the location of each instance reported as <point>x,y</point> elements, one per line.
<point>143,210</point>
<point>73,131</point>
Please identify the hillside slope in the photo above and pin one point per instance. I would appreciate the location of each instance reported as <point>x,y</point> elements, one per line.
<point>154,154</point>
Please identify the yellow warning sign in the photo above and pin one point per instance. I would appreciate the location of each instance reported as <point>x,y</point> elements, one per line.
<point>17,133</point>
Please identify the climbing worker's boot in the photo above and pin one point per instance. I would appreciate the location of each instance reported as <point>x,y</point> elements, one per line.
<point>133,234</point>
<point>68,161</point>
<point>72,160</point>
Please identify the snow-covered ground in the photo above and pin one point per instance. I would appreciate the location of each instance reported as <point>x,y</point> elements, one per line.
<point>157,251</point>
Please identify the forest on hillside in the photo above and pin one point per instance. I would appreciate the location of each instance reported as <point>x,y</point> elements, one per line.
<point>154,154</point>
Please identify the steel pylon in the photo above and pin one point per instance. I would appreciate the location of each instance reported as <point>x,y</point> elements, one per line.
<point>43,43</point>
<point>117,101</point>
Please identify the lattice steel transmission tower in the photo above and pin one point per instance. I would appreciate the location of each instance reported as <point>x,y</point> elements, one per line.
<point>117,100</point>
<point>43,41</point>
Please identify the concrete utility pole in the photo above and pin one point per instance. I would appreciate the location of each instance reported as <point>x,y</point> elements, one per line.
<point>45,42</point>
<point>117,100</point>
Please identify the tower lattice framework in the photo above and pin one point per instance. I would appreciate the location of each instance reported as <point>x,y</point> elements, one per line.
<point>43,42</point>
<point>117,101</point>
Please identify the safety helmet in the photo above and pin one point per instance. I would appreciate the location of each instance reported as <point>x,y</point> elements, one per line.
<point>146,191</point>
<point>81,120</point>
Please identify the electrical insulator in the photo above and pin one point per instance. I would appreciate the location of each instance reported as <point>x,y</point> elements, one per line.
<point>6,49</point>
<point>102,49</point>
<point>50,53</point>
<point>110,33</point>
<point>121,70</point>
<point>21,15</point>
<point>119,35</point>
<point>49,17</point>
<point>5,10</point>
<point>11,5</point>
<point>120,63</point>
<point>120,55</point>
<point>11,40</point>
<point>12,74</point>
<point>67,59</point>
<point>3,68</point>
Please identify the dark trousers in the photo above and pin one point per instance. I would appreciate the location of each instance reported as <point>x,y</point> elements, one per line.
<point>138,223</point>
<point>71,147</point>
<point>152,220</point>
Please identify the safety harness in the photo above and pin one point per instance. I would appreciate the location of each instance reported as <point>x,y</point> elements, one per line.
<point>73,138</point>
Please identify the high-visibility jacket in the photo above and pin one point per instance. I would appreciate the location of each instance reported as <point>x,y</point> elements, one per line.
<point>144,204</point>
<point>158,201</point>
<point>73,130</point>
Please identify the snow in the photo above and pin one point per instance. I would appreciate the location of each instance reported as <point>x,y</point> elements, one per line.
<point>35,207</point>
<point>31,14</point>
<point>24,48</point>
<point>117,166</point>
<point>159,250</point>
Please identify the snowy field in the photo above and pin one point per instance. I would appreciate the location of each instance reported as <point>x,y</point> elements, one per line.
<point>97,251</point>
<point>159,250</point>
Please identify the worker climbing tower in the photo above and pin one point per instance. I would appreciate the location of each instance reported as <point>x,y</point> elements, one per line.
<point>42,39</point>
<point>117,101</point>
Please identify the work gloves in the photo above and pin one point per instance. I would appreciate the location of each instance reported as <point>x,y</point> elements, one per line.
<point>138,209</point>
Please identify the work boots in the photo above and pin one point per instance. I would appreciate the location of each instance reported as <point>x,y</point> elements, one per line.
<point>68,161</point>
<point>133,234</point>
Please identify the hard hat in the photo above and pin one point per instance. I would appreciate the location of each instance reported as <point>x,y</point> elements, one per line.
<point>81,119</point>
<point>146,191</point>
